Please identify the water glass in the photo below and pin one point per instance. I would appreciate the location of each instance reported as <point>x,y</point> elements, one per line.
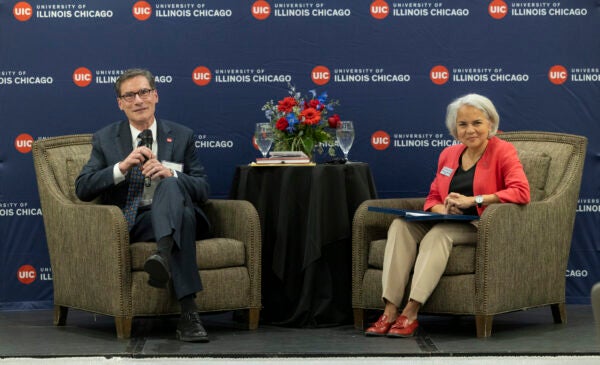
<point>345,136</point>
<point>263,136</point>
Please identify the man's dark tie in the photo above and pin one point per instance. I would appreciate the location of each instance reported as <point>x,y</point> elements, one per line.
<point>134,195</point>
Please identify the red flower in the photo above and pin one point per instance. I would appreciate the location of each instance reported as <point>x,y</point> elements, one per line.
<point>313,103</point>
<point>334,121</point>
<point>281,124</point>
<point>310,116</point>
<point>286,104</point>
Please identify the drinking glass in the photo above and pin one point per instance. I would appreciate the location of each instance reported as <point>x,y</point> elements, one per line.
<point>263,136</point>
<point>345,137</point>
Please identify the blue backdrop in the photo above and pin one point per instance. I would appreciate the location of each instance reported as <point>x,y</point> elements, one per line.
<point>393,65</point>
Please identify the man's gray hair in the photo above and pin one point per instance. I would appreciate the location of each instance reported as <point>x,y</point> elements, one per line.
<point>131,73</point>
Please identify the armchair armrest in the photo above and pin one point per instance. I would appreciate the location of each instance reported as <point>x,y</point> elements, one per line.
<point>89,252</point>
<point>369,226</point>
<point>522,250</point>
<point>238,219</point>
<point>374,225</point>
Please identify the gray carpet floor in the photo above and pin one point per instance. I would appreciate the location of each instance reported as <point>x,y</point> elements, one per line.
<point>525,333</point>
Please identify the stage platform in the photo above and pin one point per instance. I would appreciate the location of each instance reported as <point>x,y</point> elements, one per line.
<point>31,334</point>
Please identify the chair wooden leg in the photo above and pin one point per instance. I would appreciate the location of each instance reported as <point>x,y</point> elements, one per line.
<point>559,313</point>
<point>253,317</point>
<point>483,323</point>
<point>596,305</point>
<point>123,325</point>
<point>359,318</point>
<point>60,315</point>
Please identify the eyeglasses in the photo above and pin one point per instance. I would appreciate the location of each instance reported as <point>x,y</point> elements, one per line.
<point>143,94</point>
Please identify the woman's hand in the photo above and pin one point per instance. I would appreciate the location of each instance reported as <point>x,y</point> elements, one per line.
<point>456,203</point>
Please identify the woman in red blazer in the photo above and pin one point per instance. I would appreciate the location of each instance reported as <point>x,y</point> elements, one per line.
<point>480,171</point>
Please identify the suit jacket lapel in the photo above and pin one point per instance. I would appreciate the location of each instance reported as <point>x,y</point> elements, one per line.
<point>165,139</point>
<point>124,138</point>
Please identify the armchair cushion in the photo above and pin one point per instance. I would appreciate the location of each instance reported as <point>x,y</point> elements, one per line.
<point>536,166</point>
<point>213,253</point>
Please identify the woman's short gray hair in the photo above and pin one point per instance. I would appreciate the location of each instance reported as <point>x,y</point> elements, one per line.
<point>475,100</point>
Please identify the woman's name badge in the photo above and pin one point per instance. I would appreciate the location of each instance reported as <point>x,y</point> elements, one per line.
<point>446,171</point>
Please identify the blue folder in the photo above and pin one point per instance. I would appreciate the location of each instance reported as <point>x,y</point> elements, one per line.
<point>420,215</point>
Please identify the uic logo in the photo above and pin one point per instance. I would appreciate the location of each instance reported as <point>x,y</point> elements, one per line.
<point>261,10</point>
<point>380,140</point>
<point>141,10</point>
<point>379,9</point>
<point>23,143</point>
<point>82,77</point>
<point>320,75</point>
<point>439,75</point>
<point>201,76</point>
<point>22,11</point>
<point>558,74</point>
<point>498,9</point>
<point>26,274</point>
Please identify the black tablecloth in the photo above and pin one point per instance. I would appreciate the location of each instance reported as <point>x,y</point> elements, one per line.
<point>306,220</point>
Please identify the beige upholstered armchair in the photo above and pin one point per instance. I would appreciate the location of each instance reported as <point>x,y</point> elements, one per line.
<point>95,269</point>
<point>521,253</point>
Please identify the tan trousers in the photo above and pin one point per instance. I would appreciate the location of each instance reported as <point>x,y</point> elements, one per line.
<point>434,242</point>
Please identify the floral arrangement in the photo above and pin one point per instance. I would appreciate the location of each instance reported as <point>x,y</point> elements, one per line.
<point>302,123</point>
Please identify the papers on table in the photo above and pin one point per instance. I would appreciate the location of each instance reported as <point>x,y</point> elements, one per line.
<point>419,215</point>
<point>286,154</point>
<point>283,158</point>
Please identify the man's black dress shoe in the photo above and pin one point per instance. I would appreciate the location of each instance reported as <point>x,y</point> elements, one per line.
<point>158,268</point>
<point>190,328</point>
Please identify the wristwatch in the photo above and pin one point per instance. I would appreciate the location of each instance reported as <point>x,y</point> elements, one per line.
<point>479,200</point>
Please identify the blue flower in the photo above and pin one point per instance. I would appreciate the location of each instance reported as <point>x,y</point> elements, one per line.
<point>292,121</point>
<point>323,97</point>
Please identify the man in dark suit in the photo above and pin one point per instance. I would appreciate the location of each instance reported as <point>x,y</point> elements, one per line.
<point>148,167</point>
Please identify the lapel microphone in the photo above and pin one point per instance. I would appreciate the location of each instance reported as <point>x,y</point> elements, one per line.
<point>145,139</point>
